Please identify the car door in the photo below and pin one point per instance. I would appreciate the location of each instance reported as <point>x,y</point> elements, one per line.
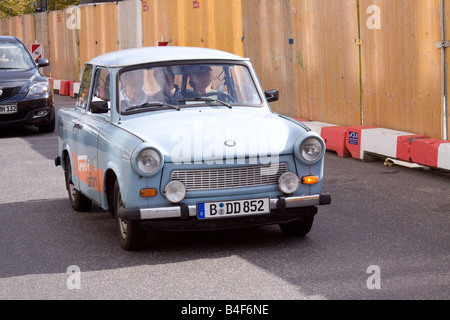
<point>92,122</point>
<point>74,120</point>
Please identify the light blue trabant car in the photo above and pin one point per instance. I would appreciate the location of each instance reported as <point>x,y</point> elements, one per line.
<point>179,138</point>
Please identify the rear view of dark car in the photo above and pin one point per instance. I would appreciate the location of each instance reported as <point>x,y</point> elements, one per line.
<point>26,97</point>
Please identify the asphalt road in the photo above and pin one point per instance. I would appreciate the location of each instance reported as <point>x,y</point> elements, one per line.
<point>386,235</point>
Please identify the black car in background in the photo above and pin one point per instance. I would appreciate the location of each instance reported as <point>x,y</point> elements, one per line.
<point>26,96</point>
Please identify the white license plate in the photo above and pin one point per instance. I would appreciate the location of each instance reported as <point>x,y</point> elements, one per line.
<point>236,208</point>
<point>8,109</point>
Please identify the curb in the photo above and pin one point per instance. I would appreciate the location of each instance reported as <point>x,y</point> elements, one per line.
<point>402,148</point>
<point>65,87</point>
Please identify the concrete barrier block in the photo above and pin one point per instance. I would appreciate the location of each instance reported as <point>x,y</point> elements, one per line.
<point>334,137</point>
<point>426,151</point>
<point>71,92</point>
<point>381,141</point>
<point>353,141</point>
<point>444,156</point>
<point>64,87</point>
<point>404,146</point>
<point>75,89</point>
<point>56,85</point>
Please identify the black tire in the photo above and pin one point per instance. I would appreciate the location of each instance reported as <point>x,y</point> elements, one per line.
<point>131,236</point>
<point>297,228</point>
<point>78,201</point>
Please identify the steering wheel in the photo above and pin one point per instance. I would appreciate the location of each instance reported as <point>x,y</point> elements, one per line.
<point>222,96</point>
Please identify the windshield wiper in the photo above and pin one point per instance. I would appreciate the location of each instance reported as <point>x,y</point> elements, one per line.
<point>206,99</point>
<point>152,104</point>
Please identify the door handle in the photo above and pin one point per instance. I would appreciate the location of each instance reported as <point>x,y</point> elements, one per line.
<point>78,126</point>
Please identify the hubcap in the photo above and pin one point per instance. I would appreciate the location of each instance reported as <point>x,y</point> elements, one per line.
<point>122,223</point>
<point>123,228</point>
<point>70,183</point>
<point>72,191</point>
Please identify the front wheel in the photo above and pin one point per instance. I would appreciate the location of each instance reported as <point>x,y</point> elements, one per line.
<point>131,236</point>
<point>297,228</point>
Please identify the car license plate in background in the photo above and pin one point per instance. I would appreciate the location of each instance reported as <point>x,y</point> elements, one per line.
<point>8,109</point>
<point>224,209</point>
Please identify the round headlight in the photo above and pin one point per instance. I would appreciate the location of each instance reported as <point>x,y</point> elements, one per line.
<point>175,191</point>
<point>148,161</point>
<point>311,149</point>
<point>288,182</point>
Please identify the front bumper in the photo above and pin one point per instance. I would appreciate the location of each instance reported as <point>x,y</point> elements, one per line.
<point>184,217</point>
<point>32,112</point>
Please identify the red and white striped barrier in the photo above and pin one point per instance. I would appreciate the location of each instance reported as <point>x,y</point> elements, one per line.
<point>74,89</point>
<point>65,87</point>
<point>56,85</point>
<point>360,142</point>
<point>431,152</point>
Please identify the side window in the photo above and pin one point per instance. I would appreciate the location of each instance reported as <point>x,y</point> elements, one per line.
<point>83,96</point>
<point>101,90</point>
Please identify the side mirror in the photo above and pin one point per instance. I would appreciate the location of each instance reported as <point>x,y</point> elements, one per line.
<point>42,63</point>
<point>99,107</point>
<point>272,95</point>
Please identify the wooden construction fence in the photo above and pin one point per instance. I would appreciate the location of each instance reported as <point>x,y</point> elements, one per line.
<point>328,60</point>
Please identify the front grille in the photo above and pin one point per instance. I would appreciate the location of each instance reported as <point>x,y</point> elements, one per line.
<point>9,92</point>
<point>227,178</point>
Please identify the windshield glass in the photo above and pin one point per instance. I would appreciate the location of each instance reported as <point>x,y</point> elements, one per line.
<point>180,85</point>
<point>14,56</point>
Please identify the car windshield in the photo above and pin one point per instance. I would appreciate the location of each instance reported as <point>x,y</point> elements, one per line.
<point>177,86</point>
<point>15,56</point>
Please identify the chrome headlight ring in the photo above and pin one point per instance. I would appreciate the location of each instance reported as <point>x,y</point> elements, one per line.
<point>175,191</point>
<point>147,161</point>
<point>309,149</point>
<point>288,183</point>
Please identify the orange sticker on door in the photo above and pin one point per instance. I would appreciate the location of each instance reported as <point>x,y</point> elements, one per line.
<point>87,172</point>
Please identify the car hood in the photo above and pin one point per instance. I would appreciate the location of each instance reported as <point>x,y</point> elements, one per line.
<point>208,134</point>
<point>15,78</point>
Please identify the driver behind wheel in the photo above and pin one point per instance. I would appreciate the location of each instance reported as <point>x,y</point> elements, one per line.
<point>201,81</point>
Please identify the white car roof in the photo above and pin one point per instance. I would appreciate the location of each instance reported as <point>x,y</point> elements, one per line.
<point>137,56</point>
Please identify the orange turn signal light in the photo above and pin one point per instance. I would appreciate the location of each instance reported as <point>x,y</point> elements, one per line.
<point>310,180</point>
<point>147,193</point>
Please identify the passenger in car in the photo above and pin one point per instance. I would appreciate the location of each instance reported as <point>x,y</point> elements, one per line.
<point>201,81</point>
<point>132,93</point>
<point>3,57</point>
<point>169,92</point>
